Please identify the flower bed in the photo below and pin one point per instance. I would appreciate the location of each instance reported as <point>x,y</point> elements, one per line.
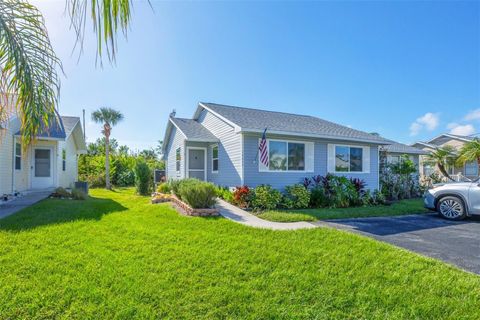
<point>184,207</point>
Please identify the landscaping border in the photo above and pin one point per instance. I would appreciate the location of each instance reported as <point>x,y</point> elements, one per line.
<point>183,207</point>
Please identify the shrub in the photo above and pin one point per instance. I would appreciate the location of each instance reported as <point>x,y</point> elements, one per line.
<point>336,191</point>
<point>296,197</point>
<point>163,188</point>
<point>397,186</point>
<point>61,193</point>
<point>264,197</point>
<point>174,185</point>
<point>318,198</point>
<point>197,194</point>
<point>242,196</point>
<point>143,178</point>
<point>225,194</point>
<point>78,194</point>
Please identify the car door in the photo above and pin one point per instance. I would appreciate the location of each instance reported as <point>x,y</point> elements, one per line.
<point>474,198</point>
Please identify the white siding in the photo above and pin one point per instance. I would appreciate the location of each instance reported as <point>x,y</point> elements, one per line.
<point>230,172</point>
<point>68,177</point>
<point>6,161</point>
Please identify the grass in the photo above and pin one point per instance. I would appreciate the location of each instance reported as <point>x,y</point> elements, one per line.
<point>117,256</point>
<point>402,207</point>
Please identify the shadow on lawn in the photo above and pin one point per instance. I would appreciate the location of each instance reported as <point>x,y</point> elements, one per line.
<point>57,211</point>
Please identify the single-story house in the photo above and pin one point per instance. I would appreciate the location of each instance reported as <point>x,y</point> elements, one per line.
<point>49,162</point>
<point>220,144</point>
<point>395,150</point>
<point>468,169</point>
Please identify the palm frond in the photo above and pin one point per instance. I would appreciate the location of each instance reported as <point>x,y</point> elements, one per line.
<point>28,67</point>
<point>109,18</point>
<point>469,152</point>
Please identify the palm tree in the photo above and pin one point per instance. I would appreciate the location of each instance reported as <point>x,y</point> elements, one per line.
<point>469,152</point>
<point>109,118</point>
<point>29,82</point>
<point>441,157</point>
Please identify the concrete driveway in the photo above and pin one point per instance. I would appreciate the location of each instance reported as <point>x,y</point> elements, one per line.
<point>455,242</point>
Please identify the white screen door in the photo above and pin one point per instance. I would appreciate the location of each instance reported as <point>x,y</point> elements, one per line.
<point>42,168</point>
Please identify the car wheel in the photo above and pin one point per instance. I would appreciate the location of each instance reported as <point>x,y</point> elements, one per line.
<point>451,208</point>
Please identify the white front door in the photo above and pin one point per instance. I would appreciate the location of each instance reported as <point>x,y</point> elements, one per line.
<point>42,175</point>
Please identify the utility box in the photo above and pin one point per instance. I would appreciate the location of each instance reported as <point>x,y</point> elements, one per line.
<point>82,185</point>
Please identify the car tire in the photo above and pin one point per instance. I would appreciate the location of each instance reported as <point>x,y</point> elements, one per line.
<point>451,208</point>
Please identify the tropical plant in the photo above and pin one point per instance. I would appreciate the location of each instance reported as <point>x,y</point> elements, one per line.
<point>29,81</point>
<point>109,118</point>
<point>469,152</point>
<point>242,196</point>
<point>264,197</point>
<point>442,156</point>
<point>143,178</point>
<point>296,197</point>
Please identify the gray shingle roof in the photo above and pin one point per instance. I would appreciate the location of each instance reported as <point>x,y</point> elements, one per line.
<point>69,123</point>
<point>257,120</point>
<point>193,130</point>
<point>398,147</point>
<point>60,129</point>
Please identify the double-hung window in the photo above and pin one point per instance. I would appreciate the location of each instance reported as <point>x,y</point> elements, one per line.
<point>18,156</point>
<point>178,159</point>
<point>348,159</point>
<point>215,158</point>
<point>288,156</point>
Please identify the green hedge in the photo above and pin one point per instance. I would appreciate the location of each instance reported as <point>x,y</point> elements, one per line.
<point>198,194</point>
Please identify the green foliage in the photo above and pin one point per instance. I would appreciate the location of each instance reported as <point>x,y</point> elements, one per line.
<point>225,194</point>
<point>264,197</point>
<point>404,166</point>
<point>174,185</point>
<point>296,197</point>
<point>397,186</point>
<point>78,194</point>
<point>470,151</point>
<point>121,258</point>
<point>163,188</point>
<point>143,178</point>
<point>198,194</point>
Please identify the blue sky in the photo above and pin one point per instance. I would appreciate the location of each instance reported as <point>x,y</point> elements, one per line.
<point>408,70</point>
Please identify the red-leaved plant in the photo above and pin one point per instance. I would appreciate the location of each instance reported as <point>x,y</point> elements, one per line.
<point>241,196</point>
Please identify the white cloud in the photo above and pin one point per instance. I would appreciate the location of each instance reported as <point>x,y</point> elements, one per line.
<point>473,115</point>
<point>461,130</point>
<point>428,121</point>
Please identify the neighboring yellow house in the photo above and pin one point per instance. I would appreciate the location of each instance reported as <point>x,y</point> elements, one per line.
<point>468,169</point>
<point>50,162</point>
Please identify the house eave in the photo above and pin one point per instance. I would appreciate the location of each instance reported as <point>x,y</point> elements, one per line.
<point>44,138</point>
<point>316,136</point>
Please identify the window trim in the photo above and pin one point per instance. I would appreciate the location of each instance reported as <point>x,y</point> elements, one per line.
<point>349,172</point>
<point>261,169</point>
<point>18,156</point>
<point>217,158</point>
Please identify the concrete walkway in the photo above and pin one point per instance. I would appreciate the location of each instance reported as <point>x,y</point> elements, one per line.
<point>11,207</point>
<point>241,216</point>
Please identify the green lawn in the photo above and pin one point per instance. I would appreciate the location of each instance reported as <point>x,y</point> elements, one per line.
<point>402,207</point>
<point>117,256</point>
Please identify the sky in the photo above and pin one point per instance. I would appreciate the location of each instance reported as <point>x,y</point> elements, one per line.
<point>408,70</point>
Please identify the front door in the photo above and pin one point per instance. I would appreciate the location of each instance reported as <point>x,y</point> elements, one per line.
<point>42,168</point>
<point>196,163</point>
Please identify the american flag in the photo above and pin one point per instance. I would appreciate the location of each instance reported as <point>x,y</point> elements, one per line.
<point>262,148</point>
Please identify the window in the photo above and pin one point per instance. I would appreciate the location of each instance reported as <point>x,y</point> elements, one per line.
<point>178,158</point>
<point>348,159</point>
<point>18,156</point>
<point>215,159</point>
<point>471,168</point>
<point>286,156</point>
<point>64,159</point>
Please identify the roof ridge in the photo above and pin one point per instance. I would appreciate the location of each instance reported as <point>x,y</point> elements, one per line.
<point>257,109</point>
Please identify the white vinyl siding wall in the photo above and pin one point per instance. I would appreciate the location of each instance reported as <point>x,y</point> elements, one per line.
<point>229,151</point>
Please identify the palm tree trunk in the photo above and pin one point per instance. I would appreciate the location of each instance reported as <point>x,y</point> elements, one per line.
<point>107,162</point>
<point>444,172</point>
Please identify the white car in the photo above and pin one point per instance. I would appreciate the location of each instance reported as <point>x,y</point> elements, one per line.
<point>455,200</point>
